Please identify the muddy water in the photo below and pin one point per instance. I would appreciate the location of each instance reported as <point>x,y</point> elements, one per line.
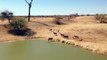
<point>43,50</point>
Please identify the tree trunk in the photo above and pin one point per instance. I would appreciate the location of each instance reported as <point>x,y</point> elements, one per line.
<point>30,5</point>
<point>29,14</point>
<point>8,19</point>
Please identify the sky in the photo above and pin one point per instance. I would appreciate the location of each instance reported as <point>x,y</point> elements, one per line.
<point>55,7</point>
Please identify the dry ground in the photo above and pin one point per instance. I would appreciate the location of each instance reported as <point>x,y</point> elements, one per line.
<point>85,28</point>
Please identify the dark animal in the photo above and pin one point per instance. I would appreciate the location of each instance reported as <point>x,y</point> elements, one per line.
<point>50,39</point>
<point>53,32</point>
<point>63,41</point>
<point>64,36</point>
<point>77,38</point>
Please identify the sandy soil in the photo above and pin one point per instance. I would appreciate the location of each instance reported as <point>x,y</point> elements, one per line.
<point>82,31</point>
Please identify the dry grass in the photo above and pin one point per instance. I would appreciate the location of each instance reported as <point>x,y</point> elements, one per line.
<point>93,34</point>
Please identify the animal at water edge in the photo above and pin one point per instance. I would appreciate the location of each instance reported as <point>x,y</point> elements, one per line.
<point>53,32</point>
<point>50,39</point>
<point>64,36</point>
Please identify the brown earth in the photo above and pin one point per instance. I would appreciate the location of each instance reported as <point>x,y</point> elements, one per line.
<point>83,31</point>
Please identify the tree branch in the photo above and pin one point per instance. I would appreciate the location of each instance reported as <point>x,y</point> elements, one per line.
<point>27,2</point>
<point>31,1</point>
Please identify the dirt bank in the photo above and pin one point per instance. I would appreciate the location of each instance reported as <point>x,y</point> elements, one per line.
<point>82,31</point>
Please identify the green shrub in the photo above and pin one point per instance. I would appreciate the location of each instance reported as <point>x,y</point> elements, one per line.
<point>101,18</point>
<point>18,26</point>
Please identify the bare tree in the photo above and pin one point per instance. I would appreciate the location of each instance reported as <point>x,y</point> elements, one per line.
<point>30,5</point>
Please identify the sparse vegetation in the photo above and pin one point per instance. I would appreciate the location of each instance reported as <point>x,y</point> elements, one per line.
<point>68,27</point>
<point>6,15</point>
<point>58,40</point>
<point>58,20</point>
<point>18,24</point>
<point>19,27</point>
<point>88,15</point>
<point>101,18</point>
